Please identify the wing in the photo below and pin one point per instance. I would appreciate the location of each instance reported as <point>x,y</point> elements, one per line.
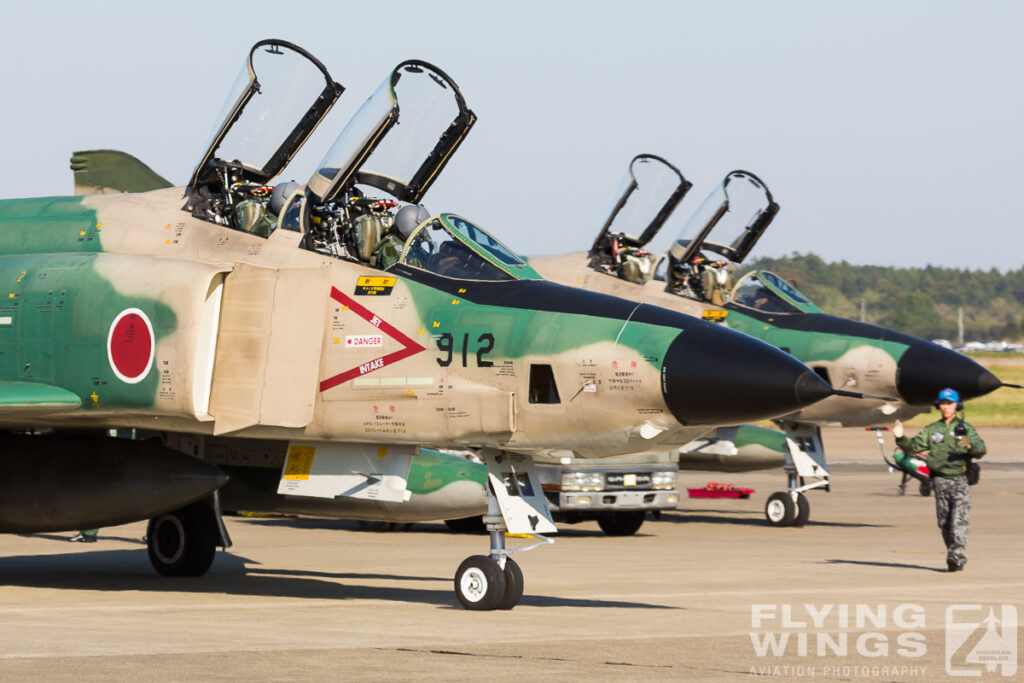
<point>30,398</point>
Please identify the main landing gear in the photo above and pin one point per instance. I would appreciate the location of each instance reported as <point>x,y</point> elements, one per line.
<point>183,542</point>
<point>806,460</point>
<point>515,504</point>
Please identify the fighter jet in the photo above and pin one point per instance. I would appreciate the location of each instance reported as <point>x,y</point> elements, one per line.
<point>900,373</point>
<point>327,332</point>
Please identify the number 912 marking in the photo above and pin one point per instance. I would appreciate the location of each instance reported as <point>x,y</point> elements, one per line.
<point>446,345</point>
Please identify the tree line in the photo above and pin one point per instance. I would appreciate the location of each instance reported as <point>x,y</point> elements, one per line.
<point>920,301</point>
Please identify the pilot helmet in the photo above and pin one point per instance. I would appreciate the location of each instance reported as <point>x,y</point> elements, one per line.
<point>409,217</point>
<point>280,195</point>
<point>948,394</point>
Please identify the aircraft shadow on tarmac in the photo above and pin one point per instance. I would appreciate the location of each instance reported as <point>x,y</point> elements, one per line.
<point>564,531</point>
<point>717,516</point>
<point>103,537</point>
<point>897,565</point>
<point>129,570</point>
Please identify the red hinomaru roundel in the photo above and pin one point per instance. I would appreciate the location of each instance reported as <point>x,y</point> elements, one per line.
<point>131,345</point>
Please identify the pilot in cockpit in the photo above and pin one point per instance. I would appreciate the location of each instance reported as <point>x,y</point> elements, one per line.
<point>704,279</point>
<point>389,250</point>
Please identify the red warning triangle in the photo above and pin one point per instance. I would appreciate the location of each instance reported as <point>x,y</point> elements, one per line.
<point>409,347</point>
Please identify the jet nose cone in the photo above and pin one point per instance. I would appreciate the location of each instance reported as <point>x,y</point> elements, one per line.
<point>926,369</point>
<point>716,376</point>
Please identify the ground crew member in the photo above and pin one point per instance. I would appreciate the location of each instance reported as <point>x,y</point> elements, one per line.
<point>950,443</point>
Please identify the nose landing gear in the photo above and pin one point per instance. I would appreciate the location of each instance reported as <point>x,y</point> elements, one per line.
<point>516,505</point>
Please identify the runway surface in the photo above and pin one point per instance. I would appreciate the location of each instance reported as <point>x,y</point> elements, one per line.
<point>300,599</point>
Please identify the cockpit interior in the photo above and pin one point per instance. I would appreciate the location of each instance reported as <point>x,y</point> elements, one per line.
<point>363,201</point>
<point>740,208</point>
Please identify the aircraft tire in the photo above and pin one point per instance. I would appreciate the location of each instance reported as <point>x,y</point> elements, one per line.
<point>183,542</point>
<point>780,509</point>
<point>621,523</point>
<point>467,525</point>
<point>925,489</point>
<point>803,510</point>
<point>513,585</point>
<point>480,583</point>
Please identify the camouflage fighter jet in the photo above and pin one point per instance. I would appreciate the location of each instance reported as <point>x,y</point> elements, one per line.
<point>241,323</point>
<point>873,360</point>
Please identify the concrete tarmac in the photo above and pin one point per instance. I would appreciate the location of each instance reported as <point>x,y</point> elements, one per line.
<point>860,593</point>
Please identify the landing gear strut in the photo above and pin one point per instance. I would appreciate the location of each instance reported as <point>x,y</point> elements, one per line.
<point>514,498</point>
<point>806,460</point>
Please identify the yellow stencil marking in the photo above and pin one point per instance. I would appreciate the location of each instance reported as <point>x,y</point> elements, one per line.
<point>436,324</point>
<point>299,463</point>
<point>11,295</point>
<point>382,451</point>
<point>422,331</point>
<point>22,276</point>
<point>344,307</point>
<point>455,302</point>
<point>95,397</point>
<point>462,290</point>
<point>167,227</point>
<point>376,281</point>
<point>81,233</point>
<point>99,225</point>
<point>167,241</point>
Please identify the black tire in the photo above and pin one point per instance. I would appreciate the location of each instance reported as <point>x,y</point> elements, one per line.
<point>803,510</point>
<point>479,583</point>
<point>183,542</point>
<point>467,525</point>
<point>513,585</point>
<point>621,523</point>
<point>925,489</point>
<point>779,510</point>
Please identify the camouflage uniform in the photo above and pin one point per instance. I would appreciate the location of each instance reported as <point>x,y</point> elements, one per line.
<point>948,456</point>
<point>387,252</point>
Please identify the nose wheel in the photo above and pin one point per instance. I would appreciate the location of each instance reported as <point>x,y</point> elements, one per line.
<point>785,508</point>
<point>516,505</point>
<point>480,584</point>
<point>805,470</point>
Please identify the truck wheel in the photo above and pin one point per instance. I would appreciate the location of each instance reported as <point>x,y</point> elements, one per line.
<point>780,510</point>
<point>621,523</point>
<point>183,542</point>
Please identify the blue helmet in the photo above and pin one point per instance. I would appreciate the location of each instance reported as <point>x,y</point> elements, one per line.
<point>948,394</point>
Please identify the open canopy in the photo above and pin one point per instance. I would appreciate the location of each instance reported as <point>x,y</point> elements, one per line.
<point>280,96</point>
<point>738,211</point>
<point>397,150</point>
<point>647,195</point>
<point>450,246</point>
